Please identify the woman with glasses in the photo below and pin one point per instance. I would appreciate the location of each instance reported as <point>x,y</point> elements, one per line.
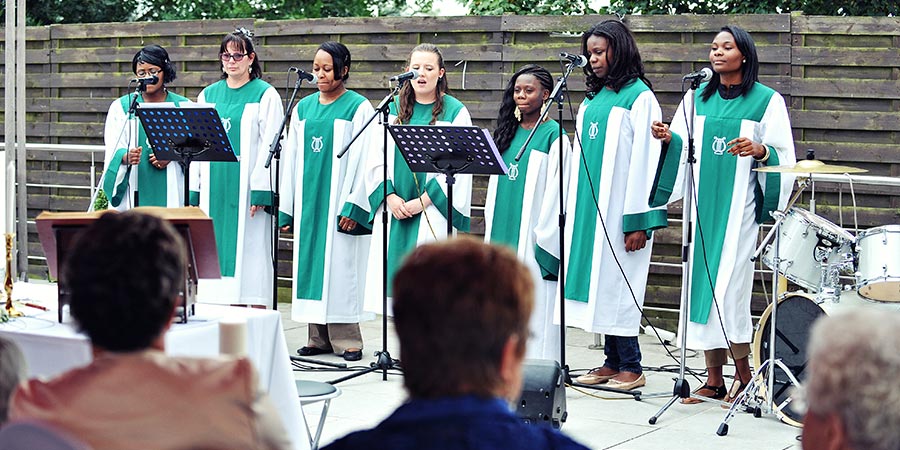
<point>416,201</point>
<point>134,177</point>
<point>323,199</point>
<point>235,194</point>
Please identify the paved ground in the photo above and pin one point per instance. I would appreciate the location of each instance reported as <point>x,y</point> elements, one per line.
<point>600,420</point>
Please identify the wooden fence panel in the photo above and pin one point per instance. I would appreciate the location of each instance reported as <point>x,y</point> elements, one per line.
<point>839,75</point>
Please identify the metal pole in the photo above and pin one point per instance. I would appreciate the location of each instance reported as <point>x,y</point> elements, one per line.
<point>22,209</point>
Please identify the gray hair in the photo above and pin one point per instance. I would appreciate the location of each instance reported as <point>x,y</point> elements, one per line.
<point>12,371</point>
<point>854,366</point>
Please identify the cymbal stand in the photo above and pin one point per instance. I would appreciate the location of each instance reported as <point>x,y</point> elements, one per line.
<point>749,398</point>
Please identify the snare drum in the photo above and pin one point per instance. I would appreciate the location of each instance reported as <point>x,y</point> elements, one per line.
<point>878,263</point>
<point>807,240</point>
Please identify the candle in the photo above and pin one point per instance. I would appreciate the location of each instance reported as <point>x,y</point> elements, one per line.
<point>233,337</point>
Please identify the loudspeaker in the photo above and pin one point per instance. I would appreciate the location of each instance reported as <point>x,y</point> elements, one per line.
<point>543,399</point>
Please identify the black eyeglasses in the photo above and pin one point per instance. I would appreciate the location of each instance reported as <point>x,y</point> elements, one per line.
<point>236,56</point>
<point>143,73</point>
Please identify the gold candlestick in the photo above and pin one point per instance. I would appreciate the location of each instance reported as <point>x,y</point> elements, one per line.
<point>8,279</point>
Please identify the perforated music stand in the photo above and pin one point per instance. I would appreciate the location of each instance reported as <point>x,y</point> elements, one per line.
<point>449,150</point>
<point>185,134</point>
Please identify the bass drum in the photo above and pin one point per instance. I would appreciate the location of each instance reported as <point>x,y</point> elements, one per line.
<point>795,316</point>
<point>796,313</point>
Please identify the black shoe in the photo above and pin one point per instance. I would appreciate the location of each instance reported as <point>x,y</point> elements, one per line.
<point>312,351</point>
<point>355,355</point>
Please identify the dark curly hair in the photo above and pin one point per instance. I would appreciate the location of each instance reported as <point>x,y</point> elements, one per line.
<point>507,125</point>
<point>157,56</point>
<point>123,275</point>
<point>749,69</point>
<point>626,64</point>
<point>242,39</point>
<point>408,95</point>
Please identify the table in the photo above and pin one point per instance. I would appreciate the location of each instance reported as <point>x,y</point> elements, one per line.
<point>51,348</point>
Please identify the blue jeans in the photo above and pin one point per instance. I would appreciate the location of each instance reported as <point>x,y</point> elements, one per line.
<point>623,354</point>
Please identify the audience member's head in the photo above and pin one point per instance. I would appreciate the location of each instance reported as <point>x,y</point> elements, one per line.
<point>461,311</point>
<point>124,274</point>
<point>12,371</point>
<point>851,388</point>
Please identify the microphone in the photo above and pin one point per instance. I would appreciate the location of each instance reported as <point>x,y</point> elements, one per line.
<point>152,79</point>
<point>413,73</point>
<point>577,60</point>
<point>310,78</point>
<point>704,74</point>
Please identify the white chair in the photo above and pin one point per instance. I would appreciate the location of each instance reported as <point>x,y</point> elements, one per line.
<point>316,391</point>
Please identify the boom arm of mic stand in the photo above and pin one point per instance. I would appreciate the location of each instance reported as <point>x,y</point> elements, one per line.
<point>275,146</point>
<point>554,97</point>
<point>378,110</point>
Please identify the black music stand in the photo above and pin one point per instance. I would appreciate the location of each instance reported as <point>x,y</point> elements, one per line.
<point>448,150</point>
<point>185,134</point>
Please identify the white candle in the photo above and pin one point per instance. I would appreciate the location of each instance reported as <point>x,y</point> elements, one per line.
<point>233,337</point>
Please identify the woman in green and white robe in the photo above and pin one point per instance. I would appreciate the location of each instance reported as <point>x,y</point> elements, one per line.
<point>324,200</point>
<point>422,101</point>
<point>610,178</point>
<point>234,194</point>
<point>740,124</point>
<point>515,201</point>
<point>152,182</point>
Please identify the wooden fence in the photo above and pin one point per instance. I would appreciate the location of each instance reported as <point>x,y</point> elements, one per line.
<point>839,76</point>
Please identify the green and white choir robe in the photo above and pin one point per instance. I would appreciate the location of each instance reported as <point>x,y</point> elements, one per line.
<point>405,235</point>
<point>251,115</point>
<point>732,200</point>
<point>621,157</point>
<point>156,187</point>
<point>317,188</point>
<point>513,212</point>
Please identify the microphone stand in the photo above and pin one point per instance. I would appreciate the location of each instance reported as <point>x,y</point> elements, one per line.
<point>384,360</point>
<point>682,388</point>
<point>133,137</point>
<point>275,152</point>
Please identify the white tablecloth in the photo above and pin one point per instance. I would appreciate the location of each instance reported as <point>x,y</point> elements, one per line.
<point>51,348</point>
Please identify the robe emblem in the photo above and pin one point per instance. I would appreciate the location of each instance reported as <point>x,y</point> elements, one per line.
<point>317,144</point>
<point>594,130</point>
<point>719,145</point>
<point>226,124</point>
<point>513,172</point>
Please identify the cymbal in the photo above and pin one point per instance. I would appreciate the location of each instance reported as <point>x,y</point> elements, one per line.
<point>810,166</point>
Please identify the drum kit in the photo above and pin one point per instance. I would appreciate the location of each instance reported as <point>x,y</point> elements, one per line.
<point>814,254</point>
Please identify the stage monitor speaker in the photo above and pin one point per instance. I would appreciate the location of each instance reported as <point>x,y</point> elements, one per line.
<point>543,399</point>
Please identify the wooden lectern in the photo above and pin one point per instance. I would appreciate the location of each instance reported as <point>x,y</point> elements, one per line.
<point>58,230</point>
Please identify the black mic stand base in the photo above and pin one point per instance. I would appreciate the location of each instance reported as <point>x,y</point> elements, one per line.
<point>384,363</point>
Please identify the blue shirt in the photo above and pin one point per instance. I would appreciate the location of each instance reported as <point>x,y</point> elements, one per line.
<point>454,424</point>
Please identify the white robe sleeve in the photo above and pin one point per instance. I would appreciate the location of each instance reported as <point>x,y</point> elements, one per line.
<point>645,152</point>
<point>775,132</point>
<point>356,203</point>
<point>291,153</point>
<point>270,117</point>
<point>117,141</point>
<point>670,170</point>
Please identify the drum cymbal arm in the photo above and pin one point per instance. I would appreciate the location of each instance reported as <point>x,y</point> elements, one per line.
<point>779,217</point>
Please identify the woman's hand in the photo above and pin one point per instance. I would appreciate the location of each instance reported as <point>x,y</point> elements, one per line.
<point>255,208</point>
<point>347,224</point>
<point>745,147</point>
<point>397,207</point>
<point>635,240</point>
<point>157,163</point>
<point>661,131</point>
<point>132,156</point>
